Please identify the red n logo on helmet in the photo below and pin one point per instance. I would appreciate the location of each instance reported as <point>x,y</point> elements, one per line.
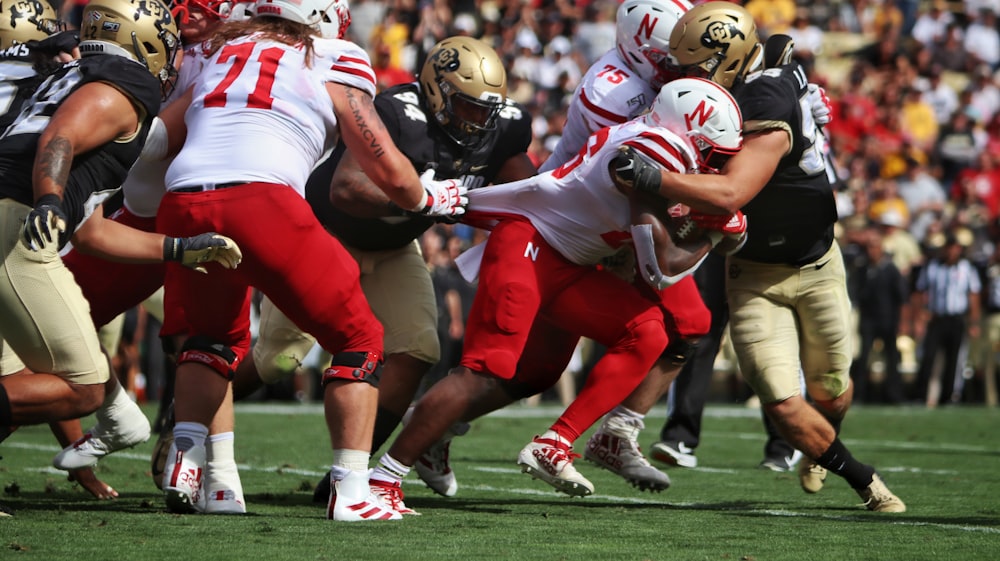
<point>701,114</point>
<point>646,26</point>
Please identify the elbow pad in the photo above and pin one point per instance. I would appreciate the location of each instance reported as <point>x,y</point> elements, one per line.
<point>649,268</point>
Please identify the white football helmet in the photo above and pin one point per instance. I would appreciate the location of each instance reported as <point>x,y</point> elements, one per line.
<point>704,112</point>
<point>642,35</point>
<point>330,17</point>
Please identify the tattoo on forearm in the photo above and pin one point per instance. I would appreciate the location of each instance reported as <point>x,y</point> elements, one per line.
<point>365,117</point>
<point>55,160</point>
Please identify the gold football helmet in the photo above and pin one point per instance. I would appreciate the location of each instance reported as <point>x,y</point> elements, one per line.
<point>142,30</point>
<point>719,41</point>
<point>464,85</point>
<point>26,20</point>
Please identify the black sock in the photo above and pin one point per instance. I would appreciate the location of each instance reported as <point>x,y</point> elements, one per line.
<point>835,422</point>
<point>840,461</point>
<point>385,422</point>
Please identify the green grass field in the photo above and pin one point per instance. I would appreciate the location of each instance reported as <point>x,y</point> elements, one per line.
<point>944,464</point>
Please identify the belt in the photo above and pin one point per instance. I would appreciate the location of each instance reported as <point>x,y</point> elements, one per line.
<point>208,187</point>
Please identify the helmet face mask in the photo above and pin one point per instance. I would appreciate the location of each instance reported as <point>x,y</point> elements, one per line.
<point>27,20</point>
<point>703,112</point>
<point>464,86</point>
<point>717,41</point>
<point>142,30</point>
<point>642,37</point>
<point>330,17</point>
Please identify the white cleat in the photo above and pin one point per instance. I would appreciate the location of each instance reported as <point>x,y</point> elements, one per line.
<point>551,460</point>
<point>351,500</point>
<point>183,479</point>
<point>131,428</point>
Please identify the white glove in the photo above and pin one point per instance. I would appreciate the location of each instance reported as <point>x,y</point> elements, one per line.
<point>444,198</point>
<point>649,267</point>
<point>819,104</point>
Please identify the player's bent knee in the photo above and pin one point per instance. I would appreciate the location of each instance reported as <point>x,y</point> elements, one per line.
<point>358,366</point>
<point>648,337</point>
<point>679,350</point>
<point>203,350</point>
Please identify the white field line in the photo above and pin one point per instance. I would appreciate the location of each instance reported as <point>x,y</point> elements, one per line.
<point>548,493</point>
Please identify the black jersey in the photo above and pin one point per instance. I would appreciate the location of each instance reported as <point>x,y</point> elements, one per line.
<point>791,219</point>
<point>426,146</point>
<point>96,174</point>
<point>18,81</point>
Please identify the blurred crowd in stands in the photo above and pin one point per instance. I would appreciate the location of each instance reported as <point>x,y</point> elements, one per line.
<point>915,141</point>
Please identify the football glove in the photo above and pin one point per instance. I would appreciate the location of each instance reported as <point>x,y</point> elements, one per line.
<point>637,171</point>
<point>731,224</point>
<point>819,104</point>
<point>443,198</point>
<point>203,248</point>
<point>55,44</point>
<point>44,223</point>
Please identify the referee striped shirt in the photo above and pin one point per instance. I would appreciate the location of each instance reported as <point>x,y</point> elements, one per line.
<point>948,286</point>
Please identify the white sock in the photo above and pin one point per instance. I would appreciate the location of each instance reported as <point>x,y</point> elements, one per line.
<point>222,471</point>
<point>188,434</point>
<point>353,460</point>
<point>390,470</point>
<point>114,401</point>
<point>622,411</point>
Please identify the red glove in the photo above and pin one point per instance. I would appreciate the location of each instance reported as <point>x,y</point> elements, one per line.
<point>733,224</point>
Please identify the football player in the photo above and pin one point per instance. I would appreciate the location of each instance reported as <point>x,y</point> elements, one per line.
<point>134,283</point>
<point>539,289</point>
<point>789,309</point>
<point>21,37</point>
<point>618,87</point>
<point>457,121</point>
<point>253,134</point>
<point>102,107</point>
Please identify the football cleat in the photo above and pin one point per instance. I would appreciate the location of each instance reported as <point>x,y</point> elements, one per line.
<point>351,500</point>
<point>676,455</point>
<point>615,448</point>
<point>811,476</point>
<point>223,492</point>
<point>551,460</point>
<point>435,470</point>
<point>392,495</point>
<point>131,428</point>
<point>879,498</point>
<point>183,479</point>
<point>781,463</point>
<point>433,466</point>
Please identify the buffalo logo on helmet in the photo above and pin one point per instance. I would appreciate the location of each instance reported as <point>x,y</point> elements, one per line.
<point>155,10</point>
<point>720,34</point>
<point>445,60</point>
<point>27,9</point>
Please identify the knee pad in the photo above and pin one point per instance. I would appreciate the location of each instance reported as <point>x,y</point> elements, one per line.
<point>205,351</point>
<point>679,350</point>
<point>356,367</point>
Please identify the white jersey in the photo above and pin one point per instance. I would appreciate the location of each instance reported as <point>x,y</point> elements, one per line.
<point>144,187</point>
<point>576,207</point>
<point>259,112</point>
<point>609,94</point>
